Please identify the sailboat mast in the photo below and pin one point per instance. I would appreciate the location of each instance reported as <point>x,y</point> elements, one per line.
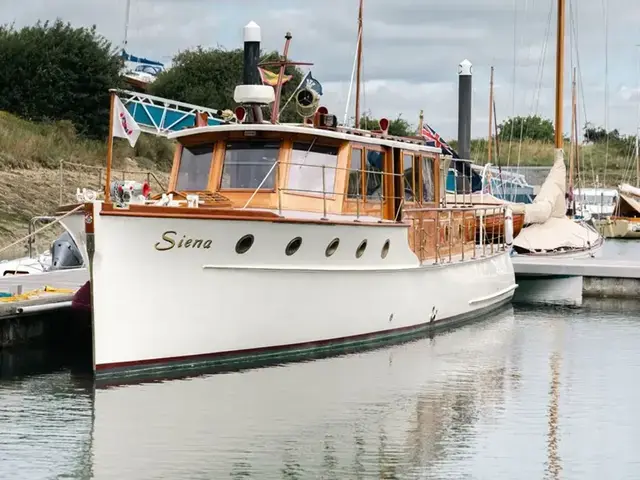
<point>559,138</point>
<point>490,116</point>
<point>359,67</point>
<point>126,25</point>
<point>638,129</point>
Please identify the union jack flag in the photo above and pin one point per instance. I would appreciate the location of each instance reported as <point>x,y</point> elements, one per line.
<point>435,140</point>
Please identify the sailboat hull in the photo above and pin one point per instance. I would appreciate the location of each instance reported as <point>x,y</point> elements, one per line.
<point>619,227</point>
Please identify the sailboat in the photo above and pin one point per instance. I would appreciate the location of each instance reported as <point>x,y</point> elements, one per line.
<point>624,220</point>
<point>548,231</point>
<point>138,72</point>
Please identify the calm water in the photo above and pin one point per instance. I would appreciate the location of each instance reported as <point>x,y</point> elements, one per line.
<point>547,393</point>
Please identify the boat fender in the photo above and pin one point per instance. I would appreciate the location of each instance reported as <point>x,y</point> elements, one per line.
<point>508,227</point>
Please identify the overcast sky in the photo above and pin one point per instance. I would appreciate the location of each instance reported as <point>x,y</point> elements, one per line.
<point>411,48</point>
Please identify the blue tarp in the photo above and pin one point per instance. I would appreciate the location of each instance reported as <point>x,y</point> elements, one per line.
<point>133,58</point>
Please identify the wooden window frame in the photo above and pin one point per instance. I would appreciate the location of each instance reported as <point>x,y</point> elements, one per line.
<point>385,159</point>
<point>222,152</point>
<point>289,147</point>
<point>177,162</point>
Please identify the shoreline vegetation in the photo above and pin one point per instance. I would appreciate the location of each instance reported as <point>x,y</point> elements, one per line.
<point>54,106</point>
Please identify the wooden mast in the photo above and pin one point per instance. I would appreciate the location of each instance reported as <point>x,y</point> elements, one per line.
<point>490,116</point>
<point>359,65</point>
<point>559,138</point>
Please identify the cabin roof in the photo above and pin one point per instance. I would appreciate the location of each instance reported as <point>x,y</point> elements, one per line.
<point>358,137</point>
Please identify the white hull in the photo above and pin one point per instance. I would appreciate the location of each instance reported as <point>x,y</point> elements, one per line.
<point>185,305</point>
<point>268,419</point>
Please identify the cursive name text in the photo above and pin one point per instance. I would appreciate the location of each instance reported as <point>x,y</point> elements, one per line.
<point>170,240</point>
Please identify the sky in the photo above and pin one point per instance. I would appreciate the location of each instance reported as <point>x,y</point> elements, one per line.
<point>411,49</point>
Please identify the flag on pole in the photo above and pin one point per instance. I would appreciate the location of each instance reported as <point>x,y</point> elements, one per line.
<point>311,83</point>
<point>434,139</point>
<point>124,126</point>
<point>270,78</point>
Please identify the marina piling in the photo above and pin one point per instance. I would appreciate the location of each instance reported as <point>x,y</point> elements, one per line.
<point>464,109</point>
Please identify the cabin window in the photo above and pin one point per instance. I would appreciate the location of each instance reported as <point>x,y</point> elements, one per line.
<point>305,171</point>
<point>373,175</point>
<point>195,164</point>
<point>250,165</point>
<point>355,174</point>
<point>428,188</point>
<point>409,174</point>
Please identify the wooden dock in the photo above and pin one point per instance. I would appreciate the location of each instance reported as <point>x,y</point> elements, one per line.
<point>24,315</point>
<point>36,293</point>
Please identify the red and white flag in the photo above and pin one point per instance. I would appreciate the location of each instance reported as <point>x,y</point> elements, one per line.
<point>124,126</point>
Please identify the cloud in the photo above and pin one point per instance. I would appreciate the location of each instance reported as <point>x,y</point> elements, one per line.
<point>411,48</point>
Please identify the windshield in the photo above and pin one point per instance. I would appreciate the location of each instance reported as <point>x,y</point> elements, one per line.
<point>250,165</point>
<point>305,174</point>
<point>195,164</point>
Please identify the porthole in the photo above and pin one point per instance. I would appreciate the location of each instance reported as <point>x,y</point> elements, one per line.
<point>361,248</point>
<point>332,247</point>
<point>385,249</point>
<point>244,244</point>
<point>293,246</point>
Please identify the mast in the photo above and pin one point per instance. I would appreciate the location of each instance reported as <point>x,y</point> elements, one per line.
<point>126,25</point>
<point>490,115</point>
<point>359,64</point>
<point>638,129</point>
<point>559,140</point>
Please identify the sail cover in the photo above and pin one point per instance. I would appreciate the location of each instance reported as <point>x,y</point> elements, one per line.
<point>550,201</point>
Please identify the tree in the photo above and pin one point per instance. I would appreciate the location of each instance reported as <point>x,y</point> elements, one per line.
<point>208,77</point>
<point>531,127</point>
<point>56,72</point>
<point>399,126</point>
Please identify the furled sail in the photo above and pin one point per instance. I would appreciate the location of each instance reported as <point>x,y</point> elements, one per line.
<point>550,201</point>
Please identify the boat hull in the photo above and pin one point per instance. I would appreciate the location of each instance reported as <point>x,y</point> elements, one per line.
<point>619,227</point>
<point>157,308</point>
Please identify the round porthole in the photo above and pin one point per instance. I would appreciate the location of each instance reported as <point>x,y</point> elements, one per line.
<point>385,249</point>
<point>293,246</point>
<point>332,247</point>
<point>244,244</point>
<point>361,248</point>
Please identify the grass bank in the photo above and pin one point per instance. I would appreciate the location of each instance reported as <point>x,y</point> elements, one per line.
<point>609,165</point>
<point>31,183</point>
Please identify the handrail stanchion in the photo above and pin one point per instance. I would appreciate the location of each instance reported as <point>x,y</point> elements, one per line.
<point>324,195</point>
<point>450,235</point>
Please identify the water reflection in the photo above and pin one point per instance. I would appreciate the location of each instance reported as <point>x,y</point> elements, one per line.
<point>543,393</point>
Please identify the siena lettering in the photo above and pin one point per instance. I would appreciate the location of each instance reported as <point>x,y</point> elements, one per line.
<point>170,240</point>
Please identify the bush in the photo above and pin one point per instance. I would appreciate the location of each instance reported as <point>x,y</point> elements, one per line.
<point>55,72</point>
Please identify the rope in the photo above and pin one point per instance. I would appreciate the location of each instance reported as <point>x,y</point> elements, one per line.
<point>71,212</point>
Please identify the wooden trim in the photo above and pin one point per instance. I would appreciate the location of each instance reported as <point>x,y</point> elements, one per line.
<point>141,211</point>
<point>175,168</point>
<point>215,172</point>
<point>436,179</point>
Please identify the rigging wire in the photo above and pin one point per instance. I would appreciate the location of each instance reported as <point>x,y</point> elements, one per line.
<point>513,77</point>
<point>606,87</point>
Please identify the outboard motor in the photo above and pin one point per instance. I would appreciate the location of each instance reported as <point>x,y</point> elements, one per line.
<point>65,253</point>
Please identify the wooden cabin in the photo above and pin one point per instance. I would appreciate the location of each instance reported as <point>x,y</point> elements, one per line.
<point>319,173</point>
